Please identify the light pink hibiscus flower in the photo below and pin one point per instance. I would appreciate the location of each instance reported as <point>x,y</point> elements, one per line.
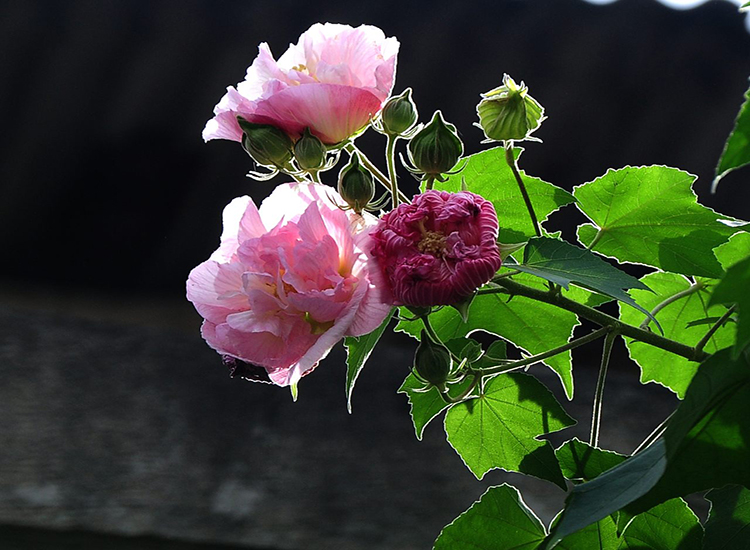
<point>333,81</point>
<point>288,281</point>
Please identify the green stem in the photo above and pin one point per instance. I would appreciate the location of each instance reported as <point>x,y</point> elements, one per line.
<point>595,240</point>
<point>511,160</point>
<point>429,182</point>
<point>656,434</point>
<point>375,172</point>
<point>716,326</point>
<point>687,292</point>
<point>460,397</point>
<point>596,415</point>
<point>314,176</point>
<point>598,333</point>
<point>390,159</point>
<point>434,336</point>
<point>600,318</point>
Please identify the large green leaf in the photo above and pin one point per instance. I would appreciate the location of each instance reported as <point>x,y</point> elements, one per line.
<point>734,289</point>
<point>658,365</point>
<point>737,149</point>
<point>733,251</point>
<point>426,405</point>
<point>488,174</point>
<point>358,349</point>
<point>500,520</point>
<point>499,428</point>
<point>649,215</point>
<point>704,446</point>
<point>728,524</point>
<point>601,535</point>
<point>668,526</point>
<point>530,325</point>
<point>563,263</point>
<point>580,461</point>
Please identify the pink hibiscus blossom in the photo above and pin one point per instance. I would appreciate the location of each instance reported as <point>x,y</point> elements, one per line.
<point>334,80</point>
<point>288,281</point>
<point>439,249</point>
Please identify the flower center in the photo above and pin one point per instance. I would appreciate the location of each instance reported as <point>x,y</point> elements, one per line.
<point>432,243</point>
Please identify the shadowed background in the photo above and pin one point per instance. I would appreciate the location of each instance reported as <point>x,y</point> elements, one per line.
<point>117,419</point>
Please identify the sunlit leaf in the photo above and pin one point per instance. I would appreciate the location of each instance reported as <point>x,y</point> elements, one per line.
<point>737,149</point>
<point>736,249</point>
<point>426,405</point>
<point>728,524</point>
<point>580,461</point>
<point>658,365</point>
<point>668,526</point>
<point>500,520</point>
<point>488,174</point>
<point>358,349</point>
<point>649,215</point>
<point>499,428</point>
<point>734,289</point>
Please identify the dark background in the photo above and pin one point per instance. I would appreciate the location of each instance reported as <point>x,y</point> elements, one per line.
<point>108,197</point>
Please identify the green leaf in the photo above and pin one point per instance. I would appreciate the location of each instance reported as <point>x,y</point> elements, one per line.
<point>728,524</point>
<point>669,526</point>
<point>660,366</point>
<point>426,405</point>
<point>704,446</point>
<point>488,174</point>
<point>563,263</point>
<point>733,289</point>
<point>649,215</point>
<point>737,148</point>
<point>358,349</point>
<point>736,249</point>
<point>601,535</point>
<point>500,520</point>
<point>530,325</point>
<point>499,428</point>
<point>580,461</point>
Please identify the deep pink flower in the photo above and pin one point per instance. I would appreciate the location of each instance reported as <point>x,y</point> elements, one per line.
<point>288,281</point>
<point>438,249</point>
<point>334,80</point>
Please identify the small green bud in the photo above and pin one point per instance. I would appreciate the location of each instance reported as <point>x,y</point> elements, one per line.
<point>436,148</point>
<point>309,151</point>
<point>399,114</point>
<point>509,113</point>
<point>267,144</point>
<point>355,184</point>
<point>432,361</point>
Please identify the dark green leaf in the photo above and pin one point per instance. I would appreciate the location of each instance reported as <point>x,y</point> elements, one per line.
<point>728,524</point>
<point>358,349</point>
<point>601,535</point>
<point>426,405</point>
<point>734,289</point>
<point>563,263</point>
<point>532,326</point>
<point>499,428</point>
<point>488,174</point>
<point>737,149</point>
<point>465,348</point>
<point>649,215</point>
<point>581,461</point>
<point>658,365</point>
<point>669,526</point>
<point>494,355</point>
<point>500,520</point>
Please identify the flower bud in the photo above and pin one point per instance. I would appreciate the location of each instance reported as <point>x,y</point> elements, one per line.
<point>355,184</point>
<point>267,144</point>
<point>309,151</point>
<point>432,362</point>
<point>399,114</point>
<point>509,113</point>
<point>436,148</point>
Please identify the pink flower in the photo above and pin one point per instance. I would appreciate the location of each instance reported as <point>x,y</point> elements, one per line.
<point>334,80</point>
<point>288,281</point>
<point>438,249</point>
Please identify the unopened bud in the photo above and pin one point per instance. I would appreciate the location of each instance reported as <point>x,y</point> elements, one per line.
<point>355,184</point>
<point>509,113</point>
<point>267,144</point>
<point>399,114</point>
<point>309,151</point>
<point>432,362</point>
<point>436,148</point>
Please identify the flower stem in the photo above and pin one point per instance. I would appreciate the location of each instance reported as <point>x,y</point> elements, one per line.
<point>429,183</point>
<point>314,176</point>
<point>596,415</point>
<point>390,159</point>
<point>716,326</point>
<point>656,434</point>
<point>460,397</point>
<point>598,333</point>
<point>687,292</point>
<point>375,172</point>
<point>511,160</point>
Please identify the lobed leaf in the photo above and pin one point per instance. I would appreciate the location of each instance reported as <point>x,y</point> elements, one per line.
<point>668,526</point>
<point>580,461</point>
<point>426,405</point>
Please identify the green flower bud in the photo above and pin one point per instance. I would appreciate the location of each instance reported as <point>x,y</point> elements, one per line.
<point>267,144</point>
<point>399,114</point>
<point>509,113</point>
<point>309,151</point>
<point>355,184</point>
<point>432,362</point>
<point>436,148</point>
